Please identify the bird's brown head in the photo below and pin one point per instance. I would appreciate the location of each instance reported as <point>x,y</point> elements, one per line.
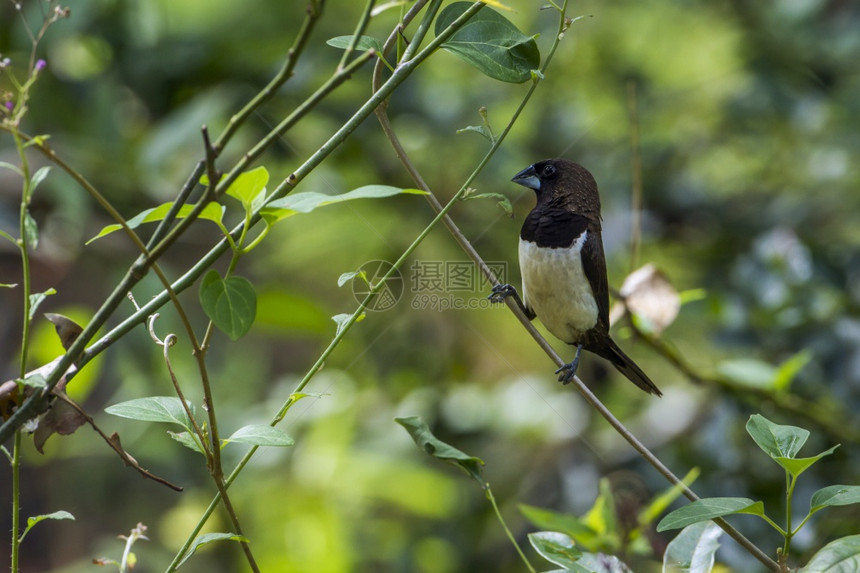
<point>562,183</point>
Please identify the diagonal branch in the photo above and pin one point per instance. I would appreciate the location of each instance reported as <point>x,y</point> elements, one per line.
<point>593,401</point>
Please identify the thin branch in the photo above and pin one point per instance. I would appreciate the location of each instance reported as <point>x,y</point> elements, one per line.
<point>356,35</point>
<point>580,386</point>
<point>210,156</point>
<point>836,425</point>
<point>114,442</point>
<point>313,11</point>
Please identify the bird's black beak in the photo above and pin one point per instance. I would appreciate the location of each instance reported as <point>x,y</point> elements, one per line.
<point>528,177</point>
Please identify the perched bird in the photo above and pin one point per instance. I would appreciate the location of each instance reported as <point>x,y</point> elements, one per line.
<point>563,267</point>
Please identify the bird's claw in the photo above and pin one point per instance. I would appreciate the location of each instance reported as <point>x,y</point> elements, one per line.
<point>567,372</point>
<point>501,292</point>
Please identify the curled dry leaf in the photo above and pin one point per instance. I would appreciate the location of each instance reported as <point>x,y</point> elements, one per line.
<point>62,419</point>
<point>649,295</point>
<point>67,329</point>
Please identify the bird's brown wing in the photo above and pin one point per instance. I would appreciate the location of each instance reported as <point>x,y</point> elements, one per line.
<point>594,265</point>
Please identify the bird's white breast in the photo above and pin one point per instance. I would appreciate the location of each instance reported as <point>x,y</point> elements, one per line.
<point>556,288</point>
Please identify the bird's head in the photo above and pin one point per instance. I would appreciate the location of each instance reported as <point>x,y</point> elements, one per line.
<point>563,183</point>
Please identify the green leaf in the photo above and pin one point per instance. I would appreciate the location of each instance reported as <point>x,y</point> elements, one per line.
<point>153,409</point>
<point>553,521</point>
<point>9,238</point>
<point>601,563</point>
<point>425,440</point>
<point>31,230</point>
<point>231,303</point>
<point>789,369</point>
<point>343,319</point>
<point>692,295</point>
<point>189,440</point>
<point>249,186</point>
<point>834,495</point>
<point>31,521</point>
<point>490,43</point>
<point>796,466</point>
<point>34,381</point>
<point>748,372</point>
<point>211,212</point>
<point>660,503</point>
<point>306,202</point>
<point>38,177</point>
<point>709,508</point>
<point>840,556</point>
<point>346,277</point>
<point>9,166</point>
<point>479,129</point>
<point>261,435</point>
<point>364,43</point>
<point>502,202</point>
<point>775,440</point>
<point>207,538</point>
<point>601,517</point>
<point>692,550</point>
<point>36,299</point>
<point>557,548</point>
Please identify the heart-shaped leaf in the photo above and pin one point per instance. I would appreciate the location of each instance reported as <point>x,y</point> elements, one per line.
<point>490,43</point>
<point>775,440</point>
<point>231,303</point>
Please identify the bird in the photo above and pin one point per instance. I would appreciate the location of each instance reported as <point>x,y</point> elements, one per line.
<point>563,268</point>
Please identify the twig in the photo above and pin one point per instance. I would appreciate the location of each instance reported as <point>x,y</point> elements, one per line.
<point>836,426</point>
<point>356,35</point>
<point>114,442</point>
<point>313,12</point>
<point>210,156</point>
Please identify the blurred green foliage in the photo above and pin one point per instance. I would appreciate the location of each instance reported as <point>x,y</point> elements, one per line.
<point>748,115</point>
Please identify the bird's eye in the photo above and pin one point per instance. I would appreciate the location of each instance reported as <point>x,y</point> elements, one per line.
<point>549,171</point>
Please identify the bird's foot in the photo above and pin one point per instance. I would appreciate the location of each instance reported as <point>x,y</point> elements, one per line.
<point>568,371</point>
<point>501,292</point>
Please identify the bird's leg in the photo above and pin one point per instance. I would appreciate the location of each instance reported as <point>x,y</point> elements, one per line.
<point>568,371</point>
<point>503,291</point>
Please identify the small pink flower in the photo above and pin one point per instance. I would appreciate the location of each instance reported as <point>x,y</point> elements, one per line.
<point>40,65</point>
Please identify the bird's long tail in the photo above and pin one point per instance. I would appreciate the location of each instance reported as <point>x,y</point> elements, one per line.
<point>626,366</point>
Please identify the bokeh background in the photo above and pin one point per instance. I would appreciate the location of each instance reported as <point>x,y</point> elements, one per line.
<point>748,117</point>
